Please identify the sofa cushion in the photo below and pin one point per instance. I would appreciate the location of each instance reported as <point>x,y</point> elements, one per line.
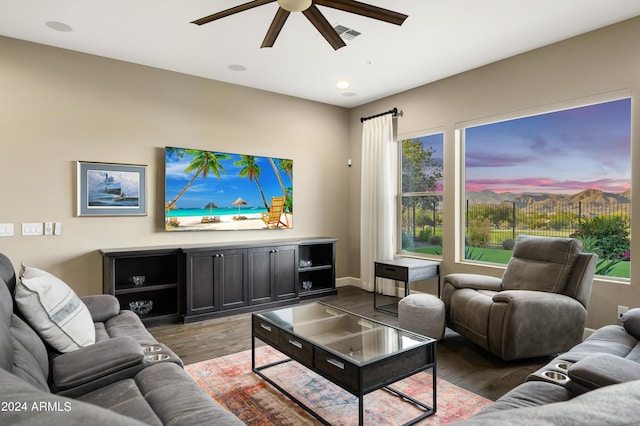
<point>35,407</point>
<point>162,394</point>
<point>54,310</point>
<point>612,406</point>
<point>541,263</point>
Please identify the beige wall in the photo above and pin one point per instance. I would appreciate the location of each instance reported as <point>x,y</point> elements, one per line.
<point>597,63</point>
<point>58,107</point>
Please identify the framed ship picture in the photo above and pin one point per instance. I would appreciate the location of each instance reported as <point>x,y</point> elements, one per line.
<point>106,189</point>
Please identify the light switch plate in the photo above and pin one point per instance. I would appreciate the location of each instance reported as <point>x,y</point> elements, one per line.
<point>32,228</point>
<point>6,229</point>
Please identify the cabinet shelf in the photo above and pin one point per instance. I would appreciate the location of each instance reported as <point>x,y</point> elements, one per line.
<point>315,268</point>
<point>130,288</point>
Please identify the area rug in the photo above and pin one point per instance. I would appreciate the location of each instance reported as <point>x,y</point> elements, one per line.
<point>231,382</point>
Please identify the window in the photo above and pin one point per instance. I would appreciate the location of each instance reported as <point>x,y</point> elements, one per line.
<point>563,173</point>
<point>421,201</point>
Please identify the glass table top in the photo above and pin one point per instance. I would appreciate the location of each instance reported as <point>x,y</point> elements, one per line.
<point>350,335</point>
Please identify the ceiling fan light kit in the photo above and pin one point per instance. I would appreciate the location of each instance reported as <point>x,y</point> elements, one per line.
<point>313,14</point>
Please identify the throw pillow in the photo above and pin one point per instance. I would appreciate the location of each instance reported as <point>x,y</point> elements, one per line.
<point>54,310</point>
<point>541,263</point>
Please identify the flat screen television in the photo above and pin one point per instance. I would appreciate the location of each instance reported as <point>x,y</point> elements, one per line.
<point>213,191</point>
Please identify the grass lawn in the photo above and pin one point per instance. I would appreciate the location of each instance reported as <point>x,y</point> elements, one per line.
<point>491,255</point>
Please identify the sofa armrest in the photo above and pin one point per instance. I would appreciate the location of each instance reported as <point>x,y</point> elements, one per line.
<point>631,322</point>
<point>97,361</point>
<point>474,281</point>
<point>535,323</point>
<point>602,369</point>
<point>102,306</point>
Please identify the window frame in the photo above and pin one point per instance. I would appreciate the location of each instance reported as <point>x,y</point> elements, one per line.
<point>460,150</point>
<point>401,195</point>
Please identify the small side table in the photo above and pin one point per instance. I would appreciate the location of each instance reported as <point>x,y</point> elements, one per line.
<point>403,269</point>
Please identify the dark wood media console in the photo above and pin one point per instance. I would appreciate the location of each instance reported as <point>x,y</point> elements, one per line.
<point>196,282</point>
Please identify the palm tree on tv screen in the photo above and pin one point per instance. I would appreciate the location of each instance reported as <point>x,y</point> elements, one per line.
<point>251,170</point>
<point>203,163</point>
<point>279,176</point>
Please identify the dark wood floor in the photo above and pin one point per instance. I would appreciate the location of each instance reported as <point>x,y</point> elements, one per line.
<point>459,361</point>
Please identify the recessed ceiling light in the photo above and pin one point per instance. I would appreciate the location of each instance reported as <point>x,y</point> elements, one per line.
<point>237,67</point>
<point>349,94</point>
<point>59,26</point>
<point>342,84</point>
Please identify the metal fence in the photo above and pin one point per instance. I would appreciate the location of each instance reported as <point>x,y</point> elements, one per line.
<point>509,219</point>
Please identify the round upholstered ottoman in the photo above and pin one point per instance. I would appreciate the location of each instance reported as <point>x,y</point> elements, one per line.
<point>422,314</point>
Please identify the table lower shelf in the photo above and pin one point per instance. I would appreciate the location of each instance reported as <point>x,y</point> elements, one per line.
<point>425,409</point>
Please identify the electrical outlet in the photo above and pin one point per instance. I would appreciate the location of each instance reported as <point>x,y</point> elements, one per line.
<point>622,310</point>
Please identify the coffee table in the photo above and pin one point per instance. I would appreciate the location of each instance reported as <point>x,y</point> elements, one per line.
<point>358,354</point>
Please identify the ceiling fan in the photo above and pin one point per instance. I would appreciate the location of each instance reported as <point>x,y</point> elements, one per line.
<point>309,9</point>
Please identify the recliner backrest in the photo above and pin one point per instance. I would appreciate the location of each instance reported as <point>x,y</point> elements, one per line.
<point>6,345</point>
<point>7,273</point>
<point>581,279</point>
<point>541,263</point>
<point>22,352</point>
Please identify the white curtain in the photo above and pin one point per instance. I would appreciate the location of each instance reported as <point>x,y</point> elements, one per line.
<point>378,199</point>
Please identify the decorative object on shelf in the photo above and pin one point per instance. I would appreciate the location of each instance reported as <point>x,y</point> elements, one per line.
<point>305,263</point>
<point>138,280</point>
<point>141,307</point>
<point>111,189</point>
<point>307,285</point>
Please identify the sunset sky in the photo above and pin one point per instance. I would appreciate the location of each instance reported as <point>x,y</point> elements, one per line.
<point>562,152</point>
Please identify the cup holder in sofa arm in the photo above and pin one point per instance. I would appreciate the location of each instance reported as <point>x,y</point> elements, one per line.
<point>556,376</point>
<point>156,357</point>
<point>159,352</point>
<point>601,369</point>
<point>555,372</point>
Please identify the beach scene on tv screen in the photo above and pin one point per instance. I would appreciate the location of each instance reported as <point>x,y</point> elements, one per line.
<point>211,190</point>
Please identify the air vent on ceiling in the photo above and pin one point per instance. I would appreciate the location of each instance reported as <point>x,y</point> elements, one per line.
<point>347,34</point>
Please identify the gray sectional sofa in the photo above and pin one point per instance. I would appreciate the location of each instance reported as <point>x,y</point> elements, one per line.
<point>597,382</point>
<point>123,377</point>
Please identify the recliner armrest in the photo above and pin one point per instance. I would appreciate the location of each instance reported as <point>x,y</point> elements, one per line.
<point>474,281</point>
<point>102,306</point>
<point>95,362</point>
<point>602,369</point>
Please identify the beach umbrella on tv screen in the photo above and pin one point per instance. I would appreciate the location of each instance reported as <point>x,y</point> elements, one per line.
<point>239,202</point>
<point>210,206</point>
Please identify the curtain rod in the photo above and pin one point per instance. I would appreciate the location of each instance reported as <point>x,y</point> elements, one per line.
<point>393,111</point>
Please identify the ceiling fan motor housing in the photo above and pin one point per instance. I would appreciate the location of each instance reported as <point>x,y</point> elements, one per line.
<point>294,5</point>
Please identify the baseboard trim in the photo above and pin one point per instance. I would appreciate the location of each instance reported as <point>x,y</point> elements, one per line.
<point>347,281</point>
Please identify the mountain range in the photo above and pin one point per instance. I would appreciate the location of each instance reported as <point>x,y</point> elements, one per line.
<point>544,201</point>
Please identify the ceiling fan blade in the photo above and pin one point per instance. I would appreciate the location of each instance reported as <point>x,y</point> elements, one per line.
<point>324,27</point>
<point>276,26</point>
<point>363,9</point>
<point>231,11</point>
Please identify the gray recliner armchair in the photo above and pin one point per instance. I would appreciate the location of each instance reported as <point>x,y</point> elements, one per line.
<point>537,308</point>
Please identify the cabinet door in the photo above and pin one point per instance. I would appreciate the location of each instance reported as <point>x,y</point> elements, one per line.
<point>286,272</point>
<point>261,275</point>
<point>200,283</point>
<point>230,268</point>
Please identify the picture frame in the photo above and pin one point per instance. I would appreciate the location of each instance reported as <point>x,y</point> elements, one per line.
<point>108,189</point>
